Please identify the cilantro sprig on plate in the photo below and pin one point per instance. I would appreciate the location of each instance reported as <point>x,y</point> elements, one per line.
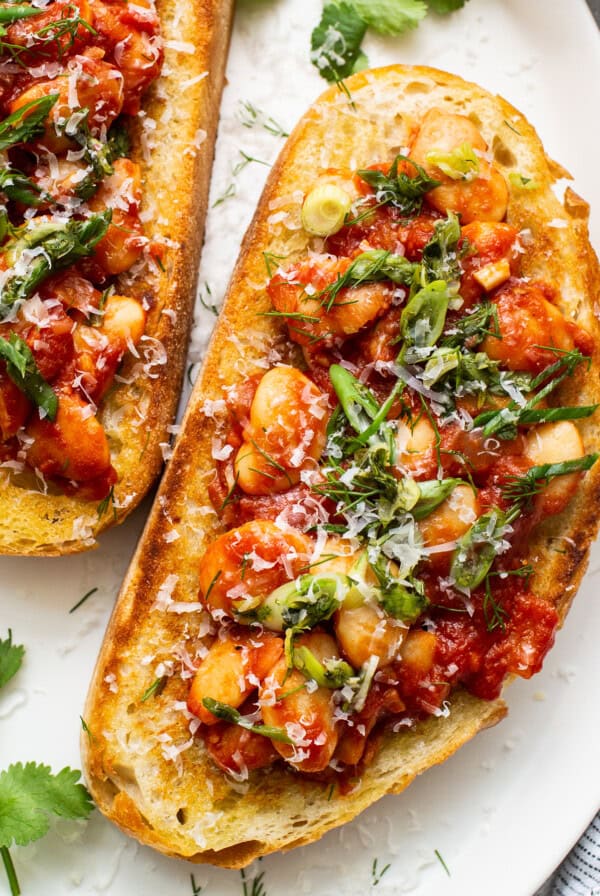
<point>30,794</point>
<point>336,42</point>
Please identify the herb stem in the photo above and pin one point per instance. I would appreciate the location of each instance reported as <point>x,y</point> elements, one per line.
<point>10,871</point>
<point>83,599</point>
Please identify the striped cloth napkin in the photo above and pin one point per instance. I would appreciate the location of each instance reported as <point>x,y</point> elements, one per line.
<point>579,874</point>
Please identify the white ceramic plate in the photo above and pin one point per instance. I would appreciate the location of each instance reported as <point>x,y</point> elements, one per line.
<point>502,812</point>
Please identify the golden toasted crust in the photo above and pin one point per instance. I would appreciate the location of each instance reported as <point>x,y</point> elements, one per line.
<point>175,799</point>
<point>173,142</point>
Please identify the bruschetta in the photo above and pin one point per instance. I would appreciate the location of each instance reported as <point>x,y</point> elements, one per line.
<point>108,118</point>
<point>353,548</point>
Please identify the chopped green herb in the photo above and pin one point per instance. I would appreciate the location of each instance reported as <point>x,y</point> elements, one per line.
<point>25,374</point>
<point>83,599</point>
<point>26,123</point>
<point>246,160</point>
<point>331,673</point>
<point>229,714</point>
<point>208,302</point>
<point>86,729</point>
<point>254,887</point>
<point>155,689</point>
<point>29,794</point>
<point>437,853</point>
<point>17,187</point>
<point>477,549</point>
<point>522,489</point>
<point>368,267</point>
<point>250,116</point>
<point>376,875</point>
<point>441,256</point>
<point>228,194</point>
<point>106,503</point>
<point>399,189</point>
<point>11,657</point>
<point>522,182</point>
<point>59,244</point>
<point>336,41</point>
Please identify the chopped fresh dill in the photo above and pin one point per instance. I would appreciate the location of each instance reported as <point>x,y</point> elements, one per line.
<point>196,888</point>
<point>228,194</point>
<point>246,160</point>
<point>271,261</point>
<point>107,502</point>
<point>155,689</point>
<point>189,373</point>
<point>208,303</point>
<point>441,861</point>
<point>377,874</point>
<point>83,599</point>
<point>512,128</point>
<point>85,727</point>
<point>229,497</point>
<point>250,116</point>
<point>255,886</point>
<point>212,584</point>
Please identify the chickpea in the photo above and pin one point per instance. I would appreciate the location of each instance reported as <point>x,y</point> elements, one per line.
<point>286,434</point>
<point>306,716</point>
<point>450,520</point>
<point>240,568</point>
<point>528,323</point>
<point>124,320</point>
<point>482,198</point>
<point>353,309</point>
<point>551,443</point>
<point>232,669</point>
<point>414,444</point>
<point>418,651</point>
<point>366,631</point>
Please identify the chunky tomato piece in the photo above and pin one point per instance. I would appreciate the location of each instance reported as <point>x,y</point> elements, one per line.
<point>485,243</point>
<point>51,343</point>
<point>14,406</point>
<point>73,446</point>
<point>130,35</point>
<point>238,751</point>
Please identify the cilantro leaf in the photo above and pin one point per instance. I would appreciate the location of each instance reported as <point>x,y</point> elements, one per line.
<point>444,6</point>
<point>25,374</point>
<point>30,793</point>
<point>335,43</point>
<point>11,657</point>
<point>391,16</point>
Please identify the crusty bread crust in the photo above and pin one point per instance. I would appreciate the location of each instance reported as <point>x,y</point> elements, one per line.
<point>175,152</point>
<point>183,805</point>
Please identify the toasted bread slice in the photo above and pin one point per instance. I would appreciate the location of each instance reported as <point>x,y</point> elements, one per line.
<point>173,141</point>
<point>144,769</point>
